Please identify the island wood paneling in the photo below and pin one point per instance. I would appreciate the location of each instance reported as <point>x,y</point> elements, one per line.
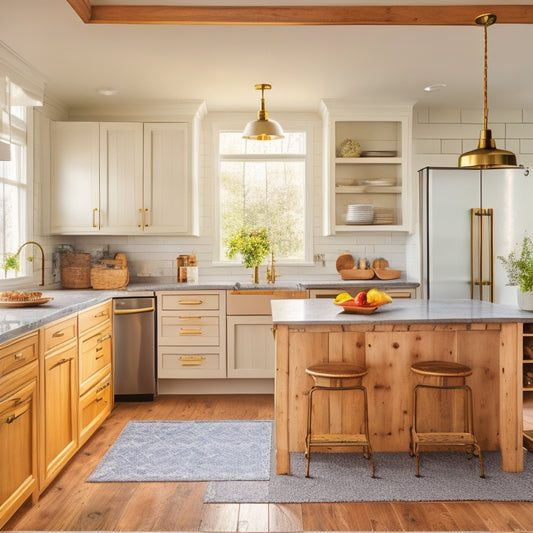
<point>388,352</point>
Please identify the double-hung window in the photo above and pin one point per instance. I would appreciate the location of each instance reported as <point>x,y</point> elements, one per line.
<point>14,195</point>
<point>264,184</point>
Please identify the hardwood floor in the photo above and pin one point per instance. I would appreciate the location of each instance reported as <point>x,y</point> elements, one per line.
<point>72,504</point>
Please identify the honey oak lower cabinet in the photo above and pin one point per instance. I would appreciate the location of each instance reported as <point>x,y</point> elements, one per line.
<point>95,359</point>
<point>58,428</point>
<point>19,375</point>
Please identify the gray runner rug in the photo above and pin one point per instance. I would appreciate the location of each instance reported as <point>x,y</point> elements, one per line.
<point>188,451</point>
<point>346,478</point>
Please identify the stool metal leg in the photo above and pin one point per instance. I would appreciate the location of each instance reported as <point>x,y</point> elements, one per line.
<point>367,448</point>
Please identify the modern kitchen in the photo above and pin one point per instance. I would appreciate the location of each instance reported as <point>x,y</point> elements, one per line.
<point>191,234</point>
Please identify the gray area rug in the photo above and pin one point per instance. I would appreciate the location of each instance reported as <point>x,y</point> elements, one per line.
<point>346,478</point>
<point>188,451</point>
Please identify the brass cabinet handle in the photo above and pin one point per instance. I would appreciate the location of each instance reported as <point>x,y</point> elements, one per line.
<point>95,224</point>
<point>191,360</point>
<point>104,338</point>
<point>190,302</point>
<point>58,334</point>
<point>11,418</point>
<point>184,317</point>
<point>61,362</point>
<point>18,355</point>
<point>103,387</point>
<point>190,331</point>
<point>100,314</point>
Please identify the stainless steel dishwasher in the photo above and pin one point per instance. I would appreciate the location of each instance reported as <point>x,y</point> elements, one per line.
<point>134,348</point>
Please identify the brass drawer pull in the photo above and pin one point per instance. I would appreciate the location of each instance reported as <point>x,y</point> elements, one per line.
<point>100,314</point>
<point>61,362</point>
<point>18,356</point>
<point>103,387</point>
<point>190,302</point>
<point>104,338</point>
<point>182,317</point>
<point>190,331</point>
<point>192,360</point>
<point>58,334</point>
<point>11,418</point>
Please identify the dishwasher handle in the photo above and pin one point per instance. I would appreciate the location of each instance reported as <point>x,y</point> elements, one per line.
<point>134,311</point>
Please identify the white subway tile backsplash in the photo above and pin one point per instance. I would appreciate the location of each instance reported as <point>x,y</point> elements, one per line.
<point>451,146</point>
<point>444,116</point>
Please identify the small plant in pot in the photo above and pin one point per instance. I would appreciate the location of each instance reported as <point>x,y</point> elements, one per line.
<point>519,268</point>
<point>252,244</point>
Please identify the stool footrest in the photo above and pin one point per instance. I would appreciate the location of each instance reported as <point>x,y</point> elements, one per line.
<point>450,439</point>
<point>357,439</point>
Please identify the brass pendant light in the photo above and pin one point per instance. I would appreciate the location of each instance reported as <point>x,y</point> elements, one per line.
<point>263,129</point>
<point>486,155</point>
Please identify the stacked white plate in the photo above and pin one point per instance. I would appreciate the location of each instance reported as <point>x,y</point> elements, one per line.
<point>359,214</point>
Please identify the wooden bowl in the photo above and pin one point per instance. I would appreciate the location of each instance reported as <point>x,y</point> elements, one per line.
<point>345,262</point>
<point>357,273</point>
<point>387,273</point>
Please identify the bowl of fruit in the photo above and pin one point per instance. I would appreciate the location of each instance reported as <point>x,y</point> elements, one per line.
<point>364,302</point>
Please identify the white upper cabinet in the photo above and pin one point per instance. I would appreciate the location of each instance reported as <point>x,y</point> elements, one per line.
<point>124,178</point>
<point>74,177</point>
<point>169,194</point>
<point>367,154</point>
<point>121,177</point>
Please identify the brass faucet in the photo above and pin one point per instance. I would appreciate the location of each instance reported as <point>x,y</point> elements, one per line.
<point>42,257</point>
<point>271,269</point>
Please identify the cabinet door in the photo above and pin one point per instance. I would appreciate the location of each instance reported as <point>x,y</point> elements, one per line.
<point>251,349</point>
<point>169,189</point>
<point>59,430</point>
<point>74,177</point>
<point>18,466</point>
<point>121,177</point>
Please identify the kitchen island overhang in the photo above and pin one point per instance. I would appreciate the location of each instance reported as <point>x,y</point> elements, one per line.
<point>485,336</point>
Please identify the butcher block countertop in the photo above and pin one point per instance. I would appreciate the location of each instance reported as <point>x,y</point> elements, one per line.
<point>486,337</point>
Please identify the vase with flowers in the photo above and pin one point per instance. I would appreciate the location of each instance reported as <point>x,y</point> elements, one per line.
<point>519,268</point>
<point>252,244</point>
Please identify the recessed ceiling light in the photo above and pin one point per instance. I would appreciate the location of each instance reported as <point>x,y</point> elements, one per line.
<point>107,91</point>
<point>435,87</point>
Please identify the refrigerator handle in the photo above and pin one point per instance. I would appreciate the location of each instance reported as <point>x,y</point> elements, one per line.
<point>482,251</point>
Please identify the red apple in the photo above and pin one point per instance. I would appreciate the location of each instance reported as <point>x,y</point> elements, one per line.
<point>360,299</point>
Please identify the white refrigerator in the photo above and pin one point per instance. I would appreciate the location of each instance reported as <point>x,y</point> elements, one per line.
<point>467,219</point>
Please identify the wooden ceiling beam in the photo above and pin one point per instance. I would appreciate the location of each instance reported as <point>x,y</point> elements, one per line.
<point>440,15</point>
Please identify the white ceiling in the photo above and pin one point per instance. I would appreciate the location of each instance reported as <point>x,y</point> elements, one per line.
<point>221,64</point>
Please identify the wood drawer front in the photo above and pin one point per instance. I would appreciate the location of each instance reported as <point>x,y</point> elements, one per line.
<point>60,332</point>
<point>200,331</point>
<point>175,362</point>
<point>18,353</point>
<point>94,316</point>
<point>95,354</point>
<point>173,302</point>
<point>95,406</point>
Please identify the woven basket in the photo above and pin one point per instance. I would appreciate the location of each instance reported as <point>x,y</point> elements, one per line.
<point>76,270</point>
<point>104,277</point>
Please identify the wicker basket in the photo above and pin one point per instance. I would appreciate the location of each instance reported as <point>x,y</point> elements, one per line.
<point>76,270</point>
<point>106,277</point>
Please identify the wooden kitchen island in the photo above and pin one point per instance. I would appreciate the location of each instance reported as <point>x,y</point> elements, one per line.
<point>485,336</point>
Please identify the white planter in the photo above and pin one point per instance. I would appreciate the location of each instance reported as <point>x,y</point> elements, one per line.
<point>525,300</point>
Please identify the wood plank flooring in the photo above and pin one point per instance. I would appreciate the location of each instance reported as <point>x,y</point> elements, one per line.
<point>72,504</point>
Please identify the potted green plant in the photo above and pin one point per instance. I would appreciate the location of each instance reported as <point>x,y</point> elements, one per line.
<point>253,245</point>
<point>519,268</point>
<point>11,262</point>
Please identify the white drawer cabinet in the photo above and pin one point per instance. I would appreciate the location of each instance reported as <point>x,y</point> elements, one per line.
<point>191,334</point>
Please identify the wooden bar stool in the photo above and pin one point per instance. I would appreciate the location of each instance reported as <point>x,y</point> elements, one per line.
<point>444,375</point>
<point>337,377</point>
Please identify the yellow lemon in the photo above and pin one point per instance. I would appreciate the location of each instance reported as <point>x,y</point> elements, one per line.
<point>373,296</point>
<point>343,297</point>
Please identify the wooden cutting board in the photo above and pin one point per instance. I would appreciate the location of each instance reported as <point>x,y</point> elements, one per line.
<point>345,262</point>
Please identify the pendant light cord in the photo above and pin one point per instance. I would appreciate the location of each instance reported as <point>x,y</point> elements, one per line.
<point>485,106</point>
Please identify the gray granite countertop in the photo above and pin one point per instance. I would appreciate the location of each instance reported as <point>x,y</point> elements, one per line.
<point>400,311</point>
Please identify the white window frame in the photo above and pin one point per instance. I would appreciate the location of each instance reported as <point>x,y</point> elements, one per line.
<point>21,134</point>
<point>289,125</point>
